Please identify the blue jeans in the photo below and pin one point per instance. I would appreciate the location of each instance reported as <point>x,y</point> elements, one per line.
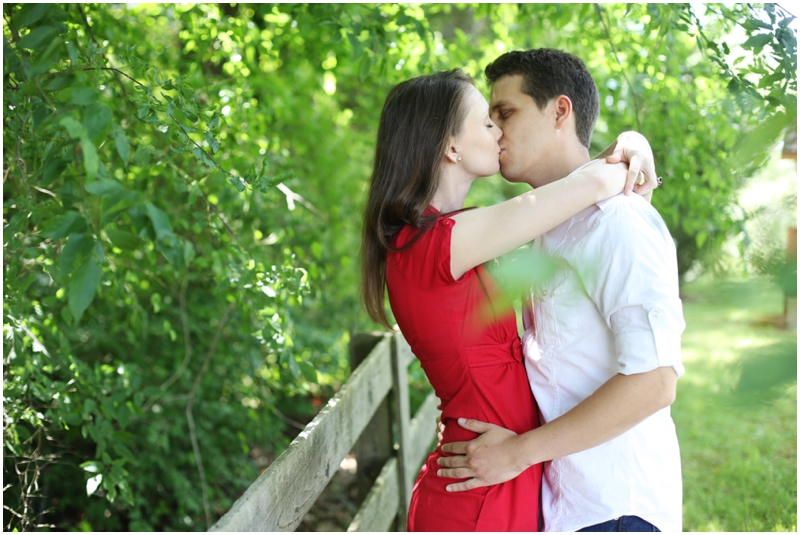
<point>623,523</point>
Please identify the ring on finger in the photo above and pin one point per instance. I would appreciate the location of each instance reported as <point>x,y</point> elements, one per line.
<point>658,180</point>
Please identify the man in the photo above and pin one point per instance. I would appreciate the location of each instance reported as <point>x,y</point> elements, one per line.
<point>602,341</point>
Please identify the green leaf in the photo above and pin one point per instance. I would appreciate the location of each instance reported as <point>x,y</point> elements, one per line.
<point>74,128</point>
<point>28,15</point>
<point>308,371</point>
<point>60,82</point>
<point>90,160</point>
<point>212,142</point>
<point>99,252</point>
<point>201,155</point>
<point>123,451</point>
<point>172,251</point>
<point>93,483</point>
<point>71,418</point>
<point>73,53</point>
<point>188,252</point>
<point>758,40</point>
<point>123,240</point>
<point>83,96</point>
<point>366,67</point>
<point>104,188</point>
<point>97,118</point>
<point>51,170</point>
<point>294,368</point>
<point>701,239</point>
<point>160,222</point>
<point>214,122</point>
<point>37,38</point>
<point>78,246</point>
<point>358,48</point>
<point>117,202</point>
<point>84,285</point>
<point>64,225</point>
<point>121,140</point>
<point>767,81</point>
<point>237,183</point>
<point>142,155</point>
<point>143,111</point>
<point>44,61</point>
<point>89,408</point>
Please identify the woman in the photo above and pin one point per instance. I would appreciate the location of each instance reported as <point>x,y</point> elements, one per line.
<point>434,139</point>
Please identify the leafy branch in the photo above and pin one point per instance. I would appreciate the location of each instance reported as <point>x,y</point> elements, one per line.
<point>190,416</point>
<point>622,70</point>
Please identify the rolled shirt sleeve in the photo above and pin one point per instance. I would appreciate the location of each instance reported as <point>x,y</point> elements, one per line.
<point>630,271</point>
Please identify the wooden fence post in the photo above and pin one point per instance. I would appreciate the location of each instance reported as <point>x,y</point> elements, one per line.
<point>282,495</point>
<point>375,445</point>
<point>402,416</point>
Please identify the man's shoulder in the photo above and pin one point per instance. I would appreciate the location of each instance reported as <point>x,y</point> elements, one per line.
<point>626,227</point>
<point>621,203</point>
<point>628,212</point>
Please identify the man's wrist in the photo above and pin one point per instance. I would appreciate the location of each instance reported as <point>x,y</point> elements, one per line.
<point>529,450</point>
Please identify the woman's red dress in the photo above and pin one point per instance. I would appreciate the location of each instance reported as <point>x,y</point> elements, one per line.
<point>465,335</point>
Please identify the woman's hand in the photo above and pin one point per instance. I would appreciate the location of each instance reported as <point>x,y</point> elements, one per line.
<point>633,148</point>
<point>494,457</point>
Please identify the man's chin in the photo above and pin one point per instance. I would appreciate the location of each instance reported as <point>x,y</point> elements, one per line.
<point>509,176</point>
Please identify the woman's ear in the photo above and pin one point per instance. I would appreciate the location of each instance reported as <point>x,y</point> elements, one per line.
<point>453,152</point>
<point>563,109</point>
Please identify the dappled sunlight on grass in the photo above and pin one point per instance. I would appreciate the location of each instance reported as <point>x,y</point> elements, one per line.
<point>736,410</point>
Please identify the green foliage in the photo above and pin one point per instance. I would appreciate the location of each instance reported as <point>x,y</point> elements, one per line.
<point>736,409</point>
<point>182,198</point>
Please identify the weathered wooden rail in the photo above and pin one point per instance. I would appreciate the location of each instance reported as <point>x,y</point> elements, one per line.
<point>371,409</point>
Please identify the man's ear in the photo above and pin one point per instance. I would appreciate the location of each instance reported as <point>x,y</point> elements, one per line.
<point>563,110</point>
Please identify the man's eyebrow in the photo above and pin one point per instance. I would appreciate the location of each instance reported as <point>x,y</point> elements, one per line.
<point>500,104</point>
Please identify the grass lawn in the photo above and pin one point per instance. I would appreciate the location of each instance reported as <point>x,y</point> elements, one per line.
<point>736,409</point>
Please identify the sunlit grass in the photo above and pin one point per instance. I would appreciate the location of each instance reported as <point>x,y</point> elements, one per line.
<point>736,411</point>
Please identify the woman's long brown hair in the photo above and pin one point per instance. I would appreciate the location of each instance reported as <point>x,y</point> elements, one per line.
<point>418,119</point>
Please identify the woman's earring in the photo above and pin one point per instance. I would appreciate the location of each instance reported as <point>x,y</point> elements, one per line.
<point>459,158</point>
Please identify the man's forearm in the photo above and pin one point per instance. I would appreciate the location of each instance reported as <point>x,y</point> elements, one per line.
<point>613,409</point>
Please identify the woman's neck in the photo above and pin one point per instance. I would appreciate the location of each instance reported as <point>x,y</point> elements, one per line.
<point>453,190</point>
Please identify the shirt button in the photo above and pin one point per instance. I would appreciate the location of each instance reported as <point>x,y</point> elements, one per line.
<point>544,292</point>
<point>655,313</point>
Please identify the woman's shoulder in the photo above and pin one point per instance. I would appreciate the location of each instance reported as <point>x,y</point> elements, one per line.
<point>424,251</point>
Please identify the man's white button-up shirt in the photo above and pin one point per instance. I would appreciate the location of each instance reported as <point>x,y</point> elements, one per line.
<point>612,307</point>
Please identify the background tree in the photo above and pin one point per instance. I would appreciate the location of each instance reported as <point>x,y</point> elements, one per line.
<point>182,196</point>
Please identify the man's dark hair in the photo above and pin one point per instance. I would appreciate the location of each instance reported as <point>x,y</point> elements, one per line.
<point>548,73</point>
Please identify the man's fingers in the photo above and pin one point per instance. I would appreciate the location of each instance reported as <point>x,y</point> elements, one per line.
<point>454,447</point>
<point>474,425</point>
<point>455,473</point>
<point>466,485</point>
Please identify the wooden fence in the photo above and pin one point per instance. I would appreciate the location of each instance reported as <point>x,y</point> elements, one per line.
<point>371,409</point>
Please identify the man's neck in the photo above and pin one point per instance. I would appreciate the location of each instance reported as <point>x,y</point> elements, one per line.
<point>568,160</point>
